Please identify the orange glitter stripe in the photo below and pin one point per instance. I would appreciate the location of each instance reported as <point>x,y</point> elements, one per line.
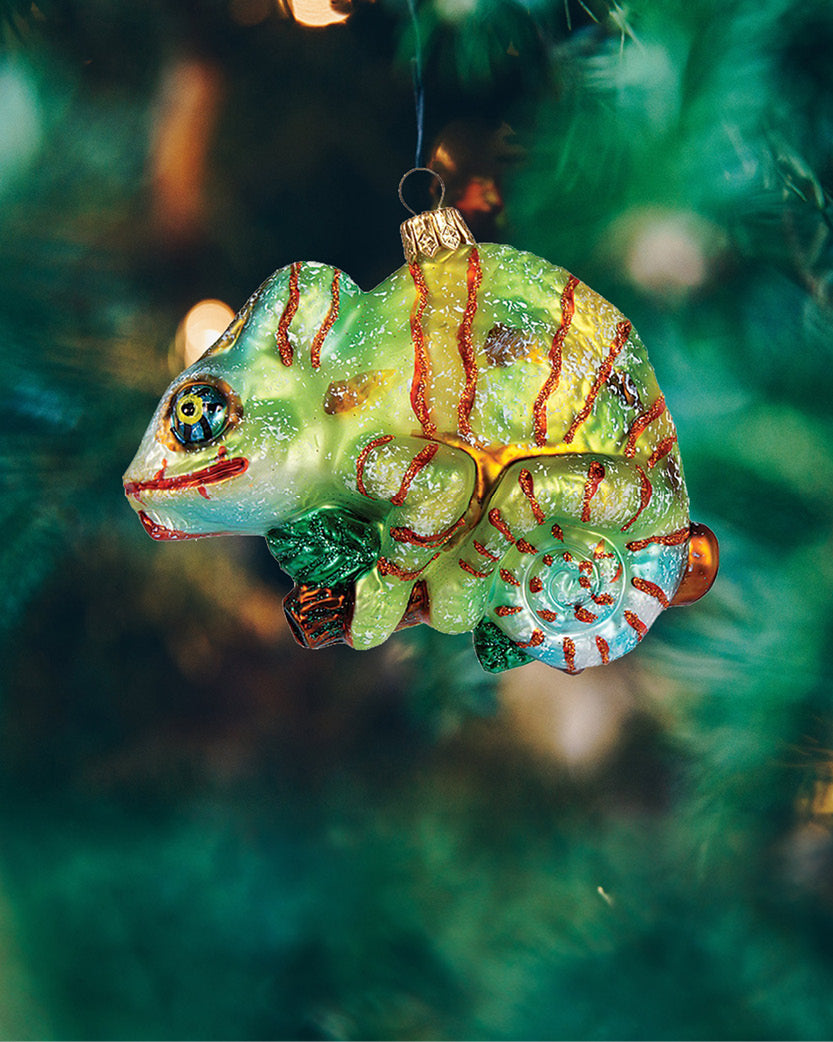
<point>645,586</point>
<point>508,577</point>
<point>604,649</point>
<point>645,493</point>
<point>528,489</point>
<point>362,460</point>
<point>634,620</point>
<point>414,467</point>
<point>473,571</point>
<point>547,615</point>
<point>535,584</point>
<point>506,609</point>
<point>672,539</point>
<point>641,422</point>
<point>623,331</point>
<point>534,641</point>
<point>282,335</point>
<point>497,522</point>
<point>408,535</point>
<point>387,567</point>
<point>481,549</point>
<point>595,476</point>
<point>327,324</point>
<point>583,615</point>
<point>664,447</point>
<point>569,654</point>
<point>421,363</point>
<point>539,409</point>
<point>474,277</point>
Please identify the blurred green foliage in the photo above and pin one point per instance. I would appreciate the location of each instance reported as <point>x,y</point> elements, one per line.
<point>208,832</point>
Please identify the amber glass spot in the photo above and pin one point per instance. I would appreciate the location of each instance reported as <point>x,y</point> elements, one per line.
<point>701,570</point>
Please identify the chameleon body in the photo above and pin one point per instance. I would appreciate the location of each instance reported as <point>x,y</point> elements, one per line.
<point>479,443</point>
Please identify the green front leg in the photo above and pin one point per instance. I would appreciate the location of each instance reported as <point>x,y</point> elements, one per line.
<point>429,488</point>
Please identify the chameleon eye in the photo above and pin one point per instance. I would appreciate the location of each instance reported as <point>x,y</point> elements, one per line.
<point>199,413</point>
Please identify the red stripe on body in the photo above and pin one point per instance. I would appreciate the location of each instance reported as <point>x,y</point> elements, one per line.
<point>327,324</point>
<point>422,371</point>
<point>641,422</point>
<point>481,549</point>
<point>407,535</point>
<point>539,409</point>
<point>569,654</point>
<point>534,641</point>
<point>535,584</point>
<point>547,614</point>
<point>473,571</point>
<point>506,609</point>
<point>282,335</point>
<point>362,460</point>
<point>508,577</point>
<point>645,493</point>
<point>583,615</point>
<point>419,461</point>
<point>664,447</point>
<point>672,539</point>
<point>528,489</point>
<point>595,476</point>
<point>623,331</point>
<point>497,522</point>
<point>474,277</point>
<point>604,649</point>
<point>387,567</point>
<point>636,623</point>
<point>645,586</point>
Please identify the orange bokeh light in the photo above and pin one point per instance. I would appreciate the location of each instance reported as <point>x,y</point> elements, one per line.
<point>317,12</point>
<point>203,324</point>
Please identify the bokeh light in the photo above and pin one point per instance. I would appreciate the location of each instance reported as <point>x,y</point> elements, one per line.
<point>203,324</point>
<point>319,13</point>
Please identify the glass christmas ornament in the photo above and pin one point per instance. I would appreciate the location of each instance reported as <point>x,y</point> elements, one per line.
<point>479,443</point>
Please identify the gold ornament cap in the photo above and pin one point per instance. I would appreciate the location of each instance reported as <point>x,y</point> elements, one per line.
<point>435,233</point>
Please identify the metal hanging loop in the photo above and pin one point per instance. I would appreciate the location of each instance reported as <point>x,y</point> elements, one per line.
<point>417,170</point>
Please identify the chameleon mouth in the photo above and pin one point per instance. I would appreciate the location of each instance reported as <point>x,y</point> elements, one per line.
<point>157,531</point>
<point>219,471</point>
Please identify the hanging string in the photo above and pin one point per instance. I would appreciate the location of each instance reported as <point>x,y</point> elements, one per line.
<point>416,77</point>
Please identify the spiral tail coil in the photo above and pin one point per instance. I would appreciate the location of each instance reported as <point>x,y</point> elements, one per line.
<point>574,597</point>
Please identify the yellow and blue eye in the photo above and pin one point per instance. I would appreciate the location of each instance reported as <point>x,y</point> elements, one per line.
<point>199,414</point>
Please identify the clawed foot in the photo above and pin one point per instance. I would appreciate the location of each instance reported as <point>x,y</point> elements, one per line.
<point>494,650</point>
<point>319,616</point>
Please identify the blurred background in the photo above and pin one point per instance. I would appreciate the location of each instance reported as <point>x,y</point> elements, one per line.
<point>208,832</point>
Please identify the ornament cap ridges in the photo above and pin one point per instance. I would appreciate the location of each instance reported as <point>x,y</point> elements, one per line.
<point>434,234</point>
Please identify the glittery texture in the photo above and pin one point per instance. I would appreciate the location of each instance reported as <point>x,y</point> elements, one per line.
<point>479,443</point>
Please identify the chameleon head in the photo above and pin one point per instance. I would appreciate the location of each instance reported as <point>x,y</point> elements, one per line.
<point>223,449</point>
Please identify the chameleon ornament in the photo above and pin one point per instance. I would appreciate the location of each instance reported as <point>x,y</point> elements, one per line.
<point>479,443</point>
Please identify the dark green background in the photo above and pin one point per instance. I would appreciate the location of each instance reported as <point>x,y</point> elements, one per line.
<point>207,832</point>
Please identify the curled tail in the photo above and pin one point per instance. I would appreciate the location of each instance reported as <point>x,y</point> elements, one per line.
<point>574,596</point>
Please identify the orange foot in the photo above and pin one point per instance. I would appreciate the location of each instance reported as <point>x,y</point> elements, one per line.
<point>319,616</point>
